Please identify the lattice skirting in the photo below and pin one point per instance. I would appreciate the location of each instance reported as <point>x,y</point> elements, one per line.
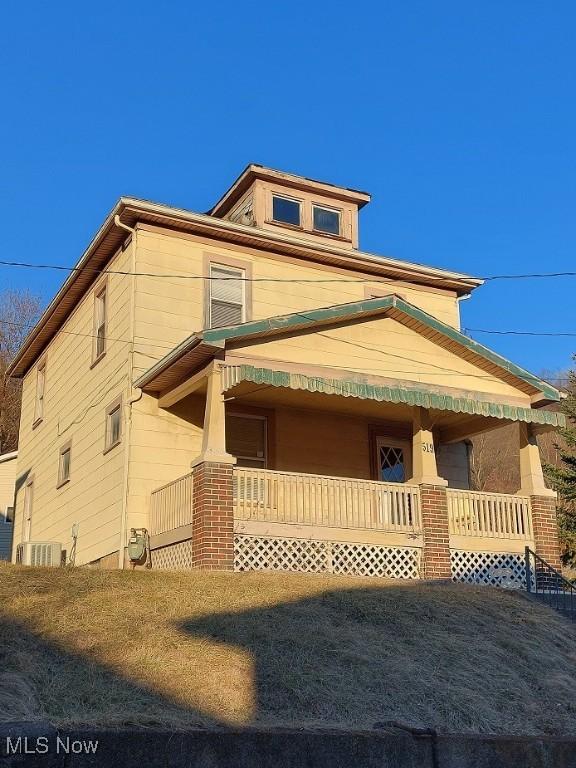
<point>259,553</point>
<point>493,568</point>
<point>174,557</point>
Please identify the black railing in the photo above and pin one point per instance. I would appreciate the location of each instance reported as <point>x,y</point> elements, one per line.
<point>548,584</point>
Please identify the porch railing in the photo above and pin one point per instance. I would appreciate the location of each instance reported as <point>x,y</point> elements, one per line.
<point>499,515</point>
<point>171,506</point>
<point>291,497</point>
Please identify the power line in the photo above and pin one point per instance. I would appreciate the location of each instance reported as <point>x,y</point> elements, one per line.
<point>59,267</point>
<point>520,333</point>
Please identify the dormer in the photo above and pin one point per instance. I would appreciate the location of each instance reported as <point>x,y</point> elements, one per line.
<point>294,205</point>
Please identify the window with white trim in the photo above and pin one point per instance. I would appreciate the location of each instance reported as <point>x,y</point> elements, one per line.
<point>113,424</point>
<point>100,316</point>
<point>325,220</point>
<point>286,210</point>
<point>40,392</point>
<point>227,296</point>
<point>64,464</point>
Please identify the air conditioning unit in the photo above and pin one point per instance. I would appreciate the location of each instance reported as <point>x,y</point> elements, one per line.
<point>43,553</point>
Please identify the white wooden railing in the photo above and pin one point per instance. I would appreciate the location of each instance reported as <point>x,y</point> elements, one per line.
<point>171,506</point>
<point>498,515</point>
<point>290,497</point>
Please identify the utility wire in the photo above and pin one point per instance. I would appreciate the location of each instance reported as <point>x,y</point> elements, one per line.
<point>266,279</point>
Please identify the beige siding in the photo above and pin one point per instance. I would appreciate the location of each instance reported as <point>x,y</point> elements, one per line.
<point>167,310</point>
<point>322,443</point>
<point>7,482</point>
<point>382,347</point>
<point>76,397</point>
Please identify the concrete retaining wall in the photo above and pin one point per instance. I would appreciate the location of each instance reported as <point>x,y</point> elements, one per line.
<point>388,747</point>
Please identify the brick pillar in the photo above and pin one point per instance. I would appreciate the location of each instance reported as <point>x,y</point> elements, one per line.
<point>545,526</point>
<point>434,511</point>
<point>212,517</point>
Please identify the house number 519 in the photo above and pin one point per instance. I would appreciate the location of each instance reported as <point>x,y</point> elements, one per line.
<point>428,447</point>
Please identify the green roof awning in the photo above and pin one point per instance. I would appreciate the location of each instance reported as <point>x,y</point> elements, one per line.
<point>234,374</point>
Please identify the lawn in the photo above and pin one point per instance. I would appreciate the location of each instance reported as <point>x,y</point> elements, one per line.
<point>181,649</point>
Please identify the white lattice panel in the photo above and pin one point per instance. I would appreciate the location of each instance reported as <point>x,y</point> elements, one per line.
<point>175,557</point>
<point>368,560</point>
<point>258,553</point>
<point>486,567</point>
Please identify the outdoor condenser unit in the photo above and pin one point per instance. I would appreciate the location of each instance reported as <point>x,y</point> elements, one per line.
<point>44,553</point>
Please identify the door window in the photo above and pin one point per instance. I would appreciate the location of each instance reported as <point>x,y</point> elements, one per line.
<point>392,460</point>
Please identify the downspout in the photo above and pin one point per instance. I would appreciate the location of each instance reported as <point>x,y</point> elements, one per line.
<point>131,399</point>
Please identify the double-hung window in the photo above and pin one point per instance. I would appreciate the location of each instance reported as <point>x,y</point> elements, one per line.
<point>40,392</point>
<point>227,296</point>
<point>100,317</point>
<point>64,464</point>
<point>113,425</point>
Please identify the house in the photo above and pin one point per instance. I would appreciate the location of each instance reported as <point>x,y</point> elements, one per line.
<point>247,389</point>
<point>7,491</point>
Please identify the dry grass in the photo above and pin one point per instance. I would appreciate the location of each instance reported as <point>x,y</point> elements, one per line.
<point>190,648</point>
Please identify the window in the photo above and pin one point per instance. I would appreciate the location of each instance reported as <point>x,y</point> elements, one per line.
<point>325,220</point>
<point>285,210</point>
<point>64,464</point>
<point>113,424</point>
<point>246,439</point>
<point>227,305</point>
<point>40,392</point>
<point>8,516</point>
<point>100,312</point>
<point>393,459</point>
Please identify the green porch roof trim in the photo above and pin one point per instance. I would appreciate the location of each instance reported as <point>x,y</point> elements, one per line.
<point>366,307</point>
<point>233,375</point>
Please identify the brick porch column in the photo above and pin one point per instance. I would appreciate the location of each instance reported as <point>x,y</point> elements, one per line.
<point>212,517</point>
<point>545,527</point>
<point>542,499</point>
<point>433,499</point>
<point>434,510</point>
<point>212,496</point>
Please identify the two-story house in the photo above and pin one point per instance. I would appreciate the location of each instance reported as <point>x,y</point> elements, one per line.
<point>254,391</point>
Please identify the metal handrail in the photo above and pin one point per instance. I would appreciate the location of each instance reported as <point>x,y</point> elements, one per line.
<point>552,587</point>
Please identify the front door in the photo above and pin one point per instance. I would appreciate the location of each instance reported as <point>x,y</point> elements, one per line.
<point>393,460</point>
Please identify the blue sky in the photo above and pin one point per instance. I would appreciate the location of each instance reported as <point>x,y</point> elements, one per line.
<point>459,118</point>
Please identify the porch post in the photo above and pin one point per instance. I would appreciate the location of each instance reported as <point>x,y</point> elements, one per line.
<point>212,496</point>
<point>433,499</point>
<point>542,499</point>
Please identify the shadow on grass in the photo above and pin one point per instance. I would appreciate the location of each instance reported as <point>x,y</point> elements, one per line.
<point>454,659</point>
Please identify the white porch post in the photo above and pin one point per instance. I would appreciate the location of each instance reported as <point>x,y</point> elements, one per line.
<point>531,475</point>
<point>424,469</point>
<point>214,432</point>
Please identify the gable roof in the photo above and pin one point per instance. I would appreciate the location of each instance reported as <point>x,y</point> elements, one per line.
<point>132,211</point>
<point>199,348</point>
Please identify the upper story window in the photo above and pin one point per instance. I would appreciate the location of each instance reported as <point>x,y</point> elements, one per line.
<point>325,220</point>
<point>100,318</point>
<point>286,210</point>
<point>227,303</point>
<point>64,464</point>
<point>113,424</point>
<point>40,392</point>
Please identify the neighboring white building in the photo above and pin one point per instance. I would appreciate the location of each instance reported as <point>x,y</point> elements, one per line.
<point>7,489</point>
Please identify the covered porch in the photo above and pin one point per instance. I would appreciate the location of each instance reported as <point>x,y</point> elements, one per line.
<point>334,440</point>
<point>342,475</point>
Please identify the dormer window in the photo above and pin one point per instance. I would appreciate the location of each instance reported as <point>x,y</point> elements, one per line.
<point>286,211</point>
<point>326,220</point>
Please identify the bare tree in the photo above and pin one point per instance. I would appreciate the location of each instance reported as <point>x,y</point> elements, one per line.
<point>19,311</point>
<point>494,464</point>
